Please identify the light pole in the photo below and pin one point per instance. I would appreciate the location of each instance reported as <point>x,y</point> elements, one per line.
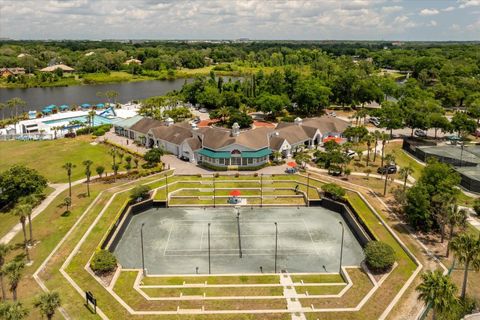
<point>143,256</point>
<point>261,190</point>
<point>276,245</point>
<point>209,269</point>
<point>341,247</point>
<point>239,236</point>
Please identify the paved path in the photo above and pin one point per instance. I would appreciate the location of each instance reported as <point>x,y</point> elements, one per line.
<point>59,188</point>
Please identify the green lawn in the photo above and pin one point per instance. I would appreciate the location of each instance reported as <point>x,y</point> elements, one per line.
<point>403,159</point>
<point>48,157</point>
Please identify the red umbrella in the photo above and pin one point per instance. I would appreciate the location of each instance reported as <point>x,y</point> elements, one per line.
<point>292,164</point>
<point>235,193</point>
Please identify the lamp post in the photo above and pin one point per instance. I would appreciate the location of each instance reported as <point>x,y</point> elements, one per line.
<point>143,256</point>
<point>239,236</point>
<point>209,269</point>
<point>276,245</point>
<point>341,247</point>
<point>261,190</point>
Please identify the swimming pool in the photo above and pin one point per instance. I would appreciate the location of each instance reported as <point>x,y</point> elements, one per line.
<point>97,120</point>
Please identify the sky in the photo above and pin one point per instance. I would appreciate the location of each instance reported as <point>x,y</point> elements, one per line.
<point>233,19</point>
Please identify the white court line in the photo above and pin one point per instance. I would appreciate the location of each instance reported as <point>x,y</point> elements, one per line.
<point>248,249</point>
<point>168,239</point>
<point>201,238</point>
<point>236,254</point>
<point>262,221</point>
<point>311,238</point>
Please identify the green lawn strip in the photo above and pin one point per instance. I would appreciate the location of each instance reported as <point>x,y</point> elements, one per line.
<point>318,278</point>
<point>465,200</point>
<point>54,154</point>
<point>214,292</point>
<point>403,159</point>
<point>361,286</point>
<point>124,288</point>
<point>48,229</point>
<point>71,300</point>
<point>244,192</point>
<point>266,279</point>
<point>319,290</point>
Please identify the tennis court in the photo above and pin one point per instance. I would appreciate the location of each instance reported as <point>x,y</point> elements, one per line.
<point>177,241</point>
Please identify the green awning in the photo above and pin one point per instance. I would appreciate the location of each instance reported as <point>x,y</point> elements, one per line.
<point>226,154</point>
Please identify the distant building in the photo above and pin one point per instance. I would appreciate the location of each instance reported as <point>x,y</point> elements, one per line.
<point>5,72</point>
<point>131,60</point>
<point>22,55</point>
<point>224,147</point>
<point>54,67</point>
<point>208,61</point>
<point>88,54</point>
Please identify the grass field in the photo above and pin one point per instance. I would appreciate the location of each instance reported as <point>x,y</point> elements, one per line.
<point>48,157</point>
<point>403,159</point>
<point>50,227</point>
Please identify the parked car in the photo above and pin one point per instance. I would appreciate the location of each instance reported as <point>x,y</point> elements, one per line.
<point>202,110</point>
<point>420,133</point>
<point>183,158</point>
<point>391,168</point>
<point>350,153</point>
<point>375,121</point>
<point>290,170</point>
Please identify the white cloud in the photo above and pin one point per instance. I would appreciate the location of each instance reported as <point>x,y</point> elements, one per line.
<point>448,9</point>
<point>475,26</point>
<point>391,9</point>
<point>429,12</point>
<point>432,23</point>
<point>455,27</point>
<point>469,3</point>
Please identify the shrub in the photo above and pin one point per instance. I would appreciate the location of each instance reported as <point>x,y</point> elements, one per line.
<point>379,256</point>
<point>96,131</point>
<point>476,206</point>
<point>103,261</point>
<point>333,191</point>
<point>139,193</point>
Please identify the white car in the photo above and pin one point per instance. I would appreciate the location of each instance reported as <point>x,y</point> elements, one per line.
<point>203,110</point>
<point>350,153</point>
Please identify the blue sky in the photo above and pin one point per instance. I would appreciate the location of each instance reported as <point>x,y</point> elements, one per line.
<point>232,19</point>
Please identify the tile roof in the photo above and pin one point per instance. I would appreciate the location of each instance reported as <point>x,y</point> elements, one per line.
<point>145,124</point>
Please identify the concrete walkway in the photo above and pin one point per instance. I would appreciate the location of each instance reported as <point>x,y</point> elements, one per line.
<point>59,188</point>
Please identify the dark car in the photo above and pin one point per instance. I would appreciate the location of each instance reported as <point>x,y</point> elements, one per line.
<point>183,158</point>
<point>389,168</point>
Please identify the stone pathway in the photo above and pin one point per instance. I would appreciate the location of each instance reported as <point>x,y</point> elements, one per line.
<point>290,294</point>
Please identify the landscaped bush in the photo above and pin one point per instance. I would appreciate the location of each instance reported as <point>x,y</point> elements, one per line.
<point>379,256</point>
<point>476,206</point>
<point>333,191</point>
<point>103,261</point>
<point>139,193</point>
<point>96,131</point>
<point>212,167</point>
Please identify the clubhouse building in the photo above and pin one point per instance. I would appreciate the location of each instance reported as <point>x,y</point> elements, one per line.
<point>222,147</point>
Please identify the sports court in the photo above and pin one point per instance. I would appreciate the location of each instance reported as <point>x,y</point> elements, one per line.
<point>176,241</point>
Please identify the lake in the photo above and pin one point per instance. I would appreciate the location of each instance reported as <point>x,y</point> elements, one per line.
<point>38,98</point>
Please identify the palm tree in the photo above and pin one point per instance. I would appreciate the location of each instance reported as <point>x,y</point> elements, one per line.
<point>13,270</point>
<point>377,135</point>
<point>31,201</point>
<point>3,106</point>
<point>4,250</point>
<point>404,173</point>
<point>389,158</point>
<point>88,173</point>
<point>276,155</point>
<point>113,152</point>
<point>67,202</point>
<point>91,117</point>
<point>69,166</point>
<point>368,139</point>
<point>47,303</point>
<point>437,290</point>
<point>456,218</point>
<point>467,250</point>
<point>359,154</point>
<point>223,112</point>
<point>22,210</point>
<point>384,141</point>
<point>14,103</point>
<point>13,311</point>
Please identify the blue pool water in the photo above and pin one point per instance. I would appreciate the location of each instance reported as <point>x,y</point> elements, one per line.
<point>97,120</point>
